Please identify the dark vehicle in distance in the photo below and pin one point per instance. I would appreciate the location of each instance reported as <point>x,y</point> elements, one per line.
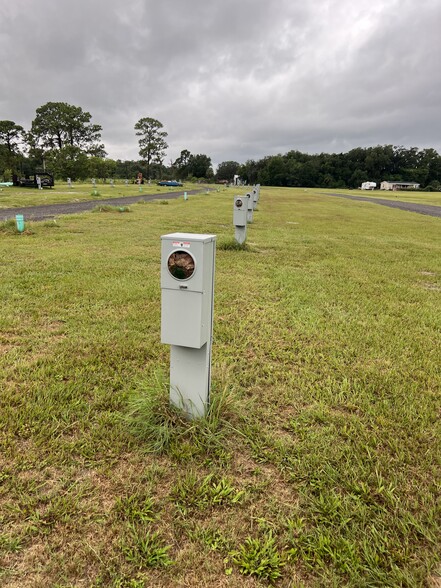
<point>30,181</point>
<point>171,183</point>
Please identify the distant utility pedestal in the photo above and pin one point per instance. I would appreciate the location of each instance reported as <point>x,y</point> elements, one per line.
<point>187,285</point>
<point>250,208</point>
<point>240,212</point>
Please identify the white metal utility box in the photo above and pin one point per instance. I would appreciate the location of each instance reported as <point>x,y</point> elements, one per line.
<point>187,284</point>
<point>250,208</point>
<point>240,210</point>
<point>255,197</point>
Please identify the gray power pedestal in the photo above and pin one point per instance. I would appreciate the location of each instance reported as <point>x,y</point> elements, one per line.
<point>250,208</point>
<point>240,212</point>
<point>187,286</point>
<point>255,197</point>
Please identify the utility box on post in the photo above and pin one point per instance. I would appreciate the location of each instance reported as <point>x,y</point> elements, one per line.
<point>240,212</point>
<point>255,197</point>
<point>187,284</point>
<point>250,208</point>
<point>187,270</point>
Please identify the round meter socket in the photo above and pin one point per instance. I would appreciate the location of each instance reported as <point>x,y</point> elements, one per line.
<point>181,265</point>
<point>239,203</point>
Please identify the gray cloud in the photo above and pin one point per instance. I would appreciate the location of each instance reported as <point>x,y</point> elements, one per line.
<point>235,79</point>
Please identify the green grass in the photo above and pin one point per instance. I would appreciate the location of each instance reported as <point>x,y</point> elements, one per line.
<point>319,463</point>
<point>259,557</point>
<point>80,191</point>
<point>61,193</point>
<point>144,549</point>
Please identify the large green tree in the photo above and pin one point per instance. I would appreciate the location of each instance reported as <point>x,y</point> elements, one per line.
<point>58,124</point>
<point>199,166</point>
<point>98,167</point>
<point>227,170</point>
<point>68,162</point>
<point>152,144</point>
<point>181,164</point>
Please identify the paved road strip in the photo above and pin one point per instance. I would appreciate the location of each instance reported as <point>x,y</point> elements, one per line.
<point>427,209</point>
<point>45,211</point>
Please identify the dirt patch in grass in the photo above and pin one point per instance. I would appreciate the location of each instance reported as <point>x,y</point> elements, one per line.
<point>27,571</point>
<point>434,581</point>
<point>434,287</point>
<point>5,347</point>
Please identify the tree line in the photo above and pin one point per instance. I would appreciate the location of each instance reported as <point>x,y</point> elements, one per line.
<point>63,139</point>
<point>347,170</point>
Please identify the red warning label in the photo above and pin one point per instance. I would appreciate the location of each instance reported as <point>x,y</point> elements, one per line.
<point>183,244</point>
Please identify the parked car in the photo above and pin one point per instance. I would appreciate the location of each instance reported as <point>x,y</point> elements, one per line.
<point>171,183</point>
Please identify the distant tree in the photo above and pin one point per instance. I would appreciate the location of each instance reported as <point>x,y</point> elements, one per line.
<point>430,161</point>
<point>310,172</point>
<point>276,170</point>
<point>10,135</point>
<point>227,170</point>
<point>249,171</point>
<point>69,162</point>
<point>58,124</point>
<point>103,169</point>
<point>126,169</point>
<point>199,166</point>
<point>152,143</point>
<point>181,164</point>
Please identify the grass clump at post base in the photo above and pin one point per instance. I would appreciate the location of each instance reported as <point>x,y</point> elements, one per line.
<point>9,227</point>
<point>164,428</point>
<point>110,208</point>
<point>233,245</point>
<point>319,461</point>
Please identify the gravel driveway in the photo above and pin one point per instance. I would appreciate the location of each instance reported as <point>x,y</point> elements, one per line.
<point>409,206</point>
<point>45,211</point>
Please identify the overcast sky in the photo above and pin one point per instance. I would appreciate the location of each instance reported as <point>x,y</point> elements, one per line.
<point>233,79</point>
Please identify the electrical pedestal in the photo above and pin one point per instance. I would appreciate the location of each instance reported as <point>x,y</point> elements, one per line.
<point>187,284</point>
<point>240,212</point>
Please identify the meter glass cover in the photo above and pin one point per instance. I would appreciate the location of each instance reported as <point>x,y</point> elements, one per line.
<point>239,203</point>
<point>181,265</point>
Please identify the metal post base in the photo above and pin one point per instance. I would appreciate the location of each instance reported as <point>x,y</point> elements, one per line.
<point>240,234</point>
<point>190,379</point>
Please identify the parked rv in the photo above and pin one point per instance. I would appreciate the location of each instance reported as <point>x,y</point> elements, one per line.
<point>368,186</point>
<point>30,181</point>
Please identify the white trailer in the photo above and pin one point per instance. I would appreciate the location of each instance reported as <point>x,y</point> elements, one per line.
<point>368,186</point>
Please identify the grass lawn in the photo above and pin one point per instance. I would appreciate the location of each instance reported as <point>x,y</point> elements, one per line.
<point>61,193</point>
<point>319,463</point>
